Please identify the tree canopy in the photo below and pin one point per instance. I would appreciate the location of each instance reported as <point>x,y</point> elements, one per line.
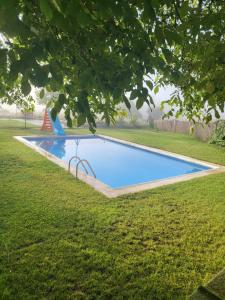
<point>99,53</point>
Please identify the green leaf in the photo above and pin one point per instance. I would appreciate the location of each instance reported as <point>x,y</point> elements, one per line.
<point>217,114</point>
<point>156,89</point>
<point>42,93</point>
<point>3,61</point>
<point>139,103</point>
<point>127,102</point>
<point>151,100</point>
<point>62,99</point>
<point>159,35</point>
<point>81,120</point>
<point>69,122</point>
<point>14,70</point>
<point>3,56</point>
<point>53,113</point>
<point>134,95</point>
<point>59,103</point>
<point>25,87</point>
<point>184,9</point>
<point>162,105</point>
<point>46,9</point>
<point>39,76</point>
<point>149,10</point>
<point>168,55</point>
<point>57,5</point>
<point>68,118</point>
<point>144,92</point>
<point>173,37</point>
<point>84,19</point>
<point>210,87</point>
<point>208,119</point>
<point>149,84</point>
<point>155,3</point>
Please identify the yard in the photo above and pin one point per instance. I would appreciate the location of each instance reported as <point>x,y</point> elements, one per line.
<point>60,239</point>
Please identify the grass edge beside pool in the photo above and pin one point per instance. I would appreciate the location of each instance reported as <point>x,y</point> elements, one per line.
<point>59,238</point>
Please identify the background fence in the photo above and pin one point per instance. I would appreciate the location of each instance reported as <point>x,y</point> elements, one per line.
<point>201,131</point>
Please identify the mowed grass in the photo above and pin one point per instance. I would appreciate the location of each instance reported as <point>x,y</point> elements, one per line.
<point>60,239</point>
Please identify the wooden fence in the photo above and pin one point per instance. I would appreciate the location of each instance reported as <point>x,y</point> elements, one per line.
<point>201,131</point>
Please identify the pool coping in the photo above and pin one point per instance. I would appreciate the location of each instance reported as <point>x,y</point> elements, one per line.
<point>112,193</point>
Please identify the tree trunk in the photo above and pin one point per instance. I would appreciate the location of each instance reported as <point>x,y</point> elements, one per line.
<point>25,118</point>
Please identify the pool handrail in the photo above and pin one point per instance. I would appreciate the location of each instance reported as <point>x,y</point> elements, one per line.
<point>81,161</point>
<point>78,158</point>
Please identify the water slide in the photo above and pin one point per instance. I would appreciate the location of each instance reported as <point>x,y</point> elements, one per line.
<point>56,125</point>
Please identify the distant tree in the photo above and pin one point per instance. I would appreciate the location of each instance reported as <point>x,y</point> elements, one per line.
<point>121,115</point>
<point>154,114</point>
<point>134,115</point>
<point>218,136</point>
<point>26,106</point>
<point>95,52</point>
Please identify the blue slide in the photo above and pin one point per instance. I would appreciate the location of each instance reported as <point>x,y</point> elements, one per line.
<point>56,125</point>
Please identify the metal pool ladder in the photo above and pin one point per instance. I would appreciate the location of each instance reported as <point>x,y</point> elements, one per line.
<point>82,162</point>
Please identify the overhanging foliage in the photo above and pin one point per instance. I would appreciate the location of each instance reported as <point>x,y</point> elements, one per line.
<point>98,54</point>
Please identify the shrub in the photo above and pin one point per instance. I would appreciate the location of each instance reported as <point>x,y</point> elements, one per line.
<point>218,136</point>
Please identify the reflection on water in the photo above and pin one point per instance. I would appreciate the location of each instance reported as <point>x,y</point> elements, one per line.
<point>57,146</point>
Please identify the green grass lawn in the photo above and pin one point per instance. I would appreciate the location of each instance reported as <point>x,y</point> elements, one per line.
<point>60,239</point>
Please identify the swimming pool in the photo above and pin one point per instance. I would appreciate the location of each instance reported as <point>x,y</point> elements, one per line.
<point>119,166</point>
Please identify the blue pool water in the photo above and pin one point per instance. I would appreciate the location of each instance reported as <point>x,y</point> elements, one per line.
<point>116,164</point>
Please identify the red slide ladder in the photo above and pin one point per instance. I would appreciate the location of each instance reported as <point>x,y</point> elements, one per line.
<point>47,124</point>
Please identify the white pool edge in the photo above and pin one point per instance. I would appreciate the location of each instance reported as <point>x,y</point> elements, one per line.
<point>112,193</point>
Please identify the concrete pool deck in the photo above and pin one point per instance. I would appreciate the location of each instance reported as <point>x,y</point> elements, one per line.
<point>112,193</point>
